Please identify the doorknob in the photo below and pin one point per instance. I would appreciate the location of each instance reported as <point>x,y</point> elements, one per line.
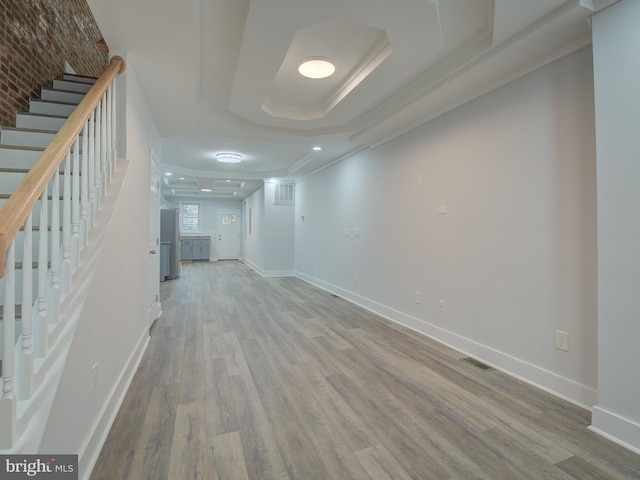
<point>152,252</point>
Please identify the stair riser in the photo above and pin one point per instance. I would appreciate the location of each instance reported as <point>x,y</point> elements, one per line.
<point>71,86</point>
<point>9,181</point>
<point>36,211</point>
<point>77,78</point>
<point>35,245</point>
<point>39,106</point>
<point>18,289</point>
<point>39,122</point>
<point>26,138</point>
<point>61,96</point>
<point>17,158</point>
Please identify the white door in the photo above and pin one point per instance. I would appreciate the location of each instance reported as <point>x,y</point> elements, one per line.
<point>155,309</point>
<point>228,234</point>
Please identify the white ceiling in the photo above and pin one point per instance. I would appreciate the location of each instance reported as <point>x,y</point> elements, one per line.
<point>221,75</point>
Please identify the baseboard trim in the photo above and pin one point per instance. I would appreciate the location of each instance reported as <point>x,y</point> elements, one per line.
<point>90,451</point>
<point>267,273</point>
<point>562,387</point>
<point>618,429</point>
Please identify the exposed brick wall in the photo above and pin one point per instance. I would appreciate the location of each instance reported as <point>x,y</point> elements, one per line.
<point>36,37</point>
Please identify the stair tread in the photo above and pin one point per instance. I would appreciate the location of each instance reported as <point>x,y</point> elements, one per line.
<point>51,89</point>
<point>46,115</point>
<point>53,102</point>
<point>32,130</point>
<point>36,228</point>
<point>22,147</point>
<point>5,196</point>
<point>76,75</point>
<point>20,170</point>
<point>18,311</point>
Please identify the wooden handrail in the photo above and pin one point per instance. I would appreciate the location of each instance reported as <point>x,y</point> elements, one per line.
<point>14,213</point>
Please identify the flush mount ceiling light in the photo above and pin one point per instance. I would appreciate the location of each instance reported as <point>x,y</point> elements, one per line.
<point>206,190</point>
<point>228,157</point>
<point>316,68</point>
<point>317,148</point>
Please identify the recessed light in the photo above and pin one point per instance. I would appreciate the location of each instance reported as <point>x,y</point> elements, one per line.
<point>317,148</point>
<point>206,190</point>
<point>228,181</point>
<point>228,157</point>
<point>181,178</point>
<point>316,68</point>
<point>168,174</point>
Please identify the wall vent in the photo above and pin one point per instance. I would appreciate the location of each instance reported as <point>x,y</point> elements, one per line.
<point>477,363</point>
<point>284,193</point>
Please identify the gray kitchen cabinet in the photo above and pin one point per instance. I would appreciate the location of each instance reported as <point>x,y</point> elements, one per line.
<point>196,248</point>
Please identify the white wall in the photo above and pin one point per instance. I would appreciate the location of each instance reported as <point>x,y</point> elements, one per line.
<point>279,234</point>
<point>110,333</point>
<point>269,247</point>
<point>515,257</point>
<point>210,209</point>
<point>616,43</point>
<point>252,250</point>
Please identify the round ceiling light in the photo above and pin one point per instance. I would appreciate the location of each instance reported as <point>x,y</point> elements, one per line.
<point>228,157</point>
<point>316,68</point>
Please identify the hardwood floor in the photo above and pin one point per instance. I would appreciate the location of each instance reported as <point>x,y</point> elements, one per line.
<point>252,378</point>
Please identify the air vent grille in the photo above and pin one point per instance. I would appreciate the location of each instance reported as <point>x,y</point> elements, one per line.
<point>284,193</point>
<point>477,363</point>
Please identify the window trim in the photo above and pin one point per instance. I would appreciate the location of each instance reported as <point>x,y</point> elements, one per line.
<point>182,217</point>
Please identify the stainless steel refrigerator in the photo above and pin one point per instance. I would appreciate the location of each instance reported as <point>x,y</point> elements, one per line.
<point>169,243</point>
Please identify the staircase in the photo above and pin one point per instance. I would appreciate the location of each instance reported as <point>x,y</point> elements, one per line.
<point>62,178</point>
<point>20,148</point>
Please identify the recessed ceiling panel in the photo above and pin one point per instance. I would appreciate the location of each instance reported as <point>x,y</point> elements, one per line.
<point>354,49</point>
<point>359,35</point>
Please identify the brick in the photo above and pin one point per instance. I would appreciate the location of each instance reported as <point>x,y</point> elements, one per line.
<point>39,35</point>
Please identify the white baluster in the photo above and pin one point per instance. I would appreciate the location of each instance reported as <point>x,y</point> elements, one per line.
<point>8,399</point>
<point>91,174</point>
<point>66,224</point>
<point>84,189</point>
<point>97,160</point>
<point>75,206</point>
<point>114,111</point>
<point>54,292</point>
<point>107,98</point>
<point>103,145</point>
<point>41,327</point>
<point>25,366</point>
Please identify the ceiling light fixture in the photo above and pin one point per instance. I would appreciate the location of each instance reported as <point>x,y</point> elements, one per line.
<point>206,190</point>
<point>228,157</point>
<point>168,174</point>
<point>316,68</point>
<point>317,149</point>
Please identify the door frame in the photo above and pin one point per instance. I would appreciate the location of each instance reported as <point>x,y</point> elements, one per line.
<point>153,295</point>
<point>220,212</point>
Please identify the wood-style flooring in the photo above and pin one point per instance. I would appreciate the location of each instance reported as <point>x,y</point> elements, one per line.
<point>253,378</point>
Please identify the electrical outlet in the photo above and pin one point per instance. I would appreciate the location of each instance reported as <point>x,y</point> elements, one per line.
<point>418,298</point>
<point>441,306</point>
<point>562,340</point>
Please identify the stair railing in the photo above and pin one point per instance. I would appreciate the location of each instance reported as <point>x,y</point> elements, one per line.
<point>71,175</point>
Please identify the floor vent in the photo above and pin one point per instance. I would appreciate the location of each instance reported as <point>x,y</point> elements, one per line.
<point>477,363</point>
